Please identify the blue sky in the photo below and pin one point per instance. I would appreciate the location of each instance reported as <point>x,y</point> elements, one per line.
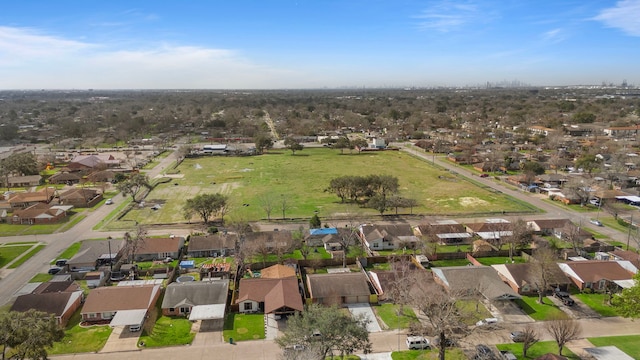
<point>274,44</point>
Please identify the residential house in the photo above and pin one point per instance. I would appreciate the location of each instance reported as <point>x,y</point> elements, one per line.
<point>622,132</point>
<point>213,245</point>
<point>95,253</point>
<point>159,248</point>
<point>331,239</point>
<point>627,255</point>
<point>25,181</point>
<point>270,295</point>
<point>40,213</point>
<point>23,200</point>
<point>61,304</point>
<point>548,227</point>
<point>410,283</point>
<point>80,197</point>
<point>447,232</point>
<point>278,271</point>
<point>599,275</point>
<point>198,300</point>
<point>272,241</point>
<point>552,180</point>
<point>491,229</point>
<point>65,178</point>
<point>120,305</point>
<point>524,278</point>
<point>95,161</point>
<point>388,237</point>
<point>474,279</point>
<point>340,288</point>
<point>102,176</point>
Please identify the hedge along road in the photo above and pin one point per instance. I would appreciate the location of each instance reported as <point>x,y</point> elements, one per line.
<point>552,211</point>
<point>11,280</point>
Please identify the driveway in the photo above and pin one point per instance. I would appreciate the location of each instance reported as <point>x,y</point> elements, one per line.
<point>376,356</point>
<point>366,311</point>
<point>121,339</point>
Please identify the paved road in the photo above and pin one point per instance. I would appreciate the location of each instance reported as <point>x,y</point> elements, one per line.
<point>12,280</point>
<point>551,210</point>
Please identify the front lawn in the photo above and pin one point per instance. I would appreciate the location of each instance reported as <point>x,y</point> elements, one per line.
<point>242,327</point>
<point>9,252</point>
<point>81,339</point>
<point>452,262</point>
<point>389,315</point>
<point>538,349</point>
<point>26,256</point>
<point>540,312</point>
<point>69,252</point>
<point>598,302</point>
<point>41,278</point>
<point>168,331</point>
<point>473,310</point>
<point>630,344</point>
<point>450,354</point>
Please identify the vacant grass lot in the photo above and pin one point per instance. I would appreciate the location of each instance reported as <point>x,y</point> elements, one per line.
<point>540,312</point>
<point>26,256</point>
<point>598,302</point>
<point>8,252</point>
<point>243,327</point>
<point>300,180</point>
<point>537,350</point>
<point>628,344</point>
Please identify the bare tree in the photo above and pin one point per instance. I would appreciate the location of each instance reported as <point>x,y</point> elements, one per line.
<point>563,331</point>
<point>542,270</point>
<point>521,235</point>
<point>133,242</point>
<point>402,283</point>
<point>445,318</point>
<point>267,203</point>
<point>529,338</point>
<point>284,205</point>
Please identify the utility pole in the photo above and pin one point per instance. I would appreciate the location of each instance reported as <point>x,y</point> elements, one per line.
<point>629,234</point>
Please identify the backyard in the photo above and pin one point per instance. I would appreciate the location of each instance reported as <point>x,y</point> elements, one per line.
<point>299,182</point>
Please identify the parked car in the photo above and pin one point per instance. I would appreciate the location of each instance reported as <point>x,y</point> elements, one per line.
<point>484,175</point>
<point>564,297</point>
<point>596,222</point>
<point>508,355</point>
<point>483,352</point>
<point>487,321</point>
<point>517,336</point>
<point>54,270</point>
<point>108,202</point>
<point>61,262</point>
<point>417,343</point>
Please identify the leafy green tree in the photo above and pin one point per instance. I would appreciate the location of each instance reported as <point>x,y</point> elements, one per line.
<point>28,335</point>
<point>205,205</point>
<point>379,203</point>
<point>627,303</point>
<point>322,330</point>
<point>342,143</point>
<point>340,186</point>
<point>293,145</point>
<point>533,167</point>
<point>359,144</point>
<point>314,222</point>
<point>263,142</point>
<point>584,117</point>
<point>18,164</point>
<point>588,163</point>
<point>134,186</point>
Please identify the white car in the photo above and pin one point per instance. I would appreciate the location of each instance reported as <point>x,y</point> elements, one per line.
<point>417,343</point>
<point>108,202</point>
<point>487,321</point>
<point>595,222</point>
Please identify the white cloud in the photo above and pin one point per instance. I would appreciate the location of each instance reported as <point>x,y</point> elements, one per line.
<point>34,60</point>
<point>554,36</point>
<point>448,16</point>
<point>625,15</point>
<point>19,44</point>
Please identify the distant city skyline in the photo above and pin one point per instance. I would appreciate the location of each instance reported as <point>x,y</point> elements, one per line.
<point>291,44</point>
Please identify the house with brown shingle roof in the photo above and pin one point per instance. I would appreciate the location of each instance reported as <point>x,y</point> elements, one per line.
<point>547,226</point>
<point>388,237</point>
<point>25,199</point>
<point>491,229</point>
<point>65,178</point>
<point>159,248</point>
<point>40,214</point>
<point>446,232</point>
<point>61,304</point>
<point>277,271</point>
<point>522,278</point>
<point>599,275</point>
<point>26,180</point>
<point>104,303</point>
<point>212,245</point>
<point>84,162</point>
<point>80,197</point>
<point>340,288</point>
<point>102,176</point>
<point>270,295</point>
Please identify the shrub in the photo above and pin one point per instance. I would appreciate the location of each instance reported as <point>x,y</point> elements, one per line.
<point>213,229</point>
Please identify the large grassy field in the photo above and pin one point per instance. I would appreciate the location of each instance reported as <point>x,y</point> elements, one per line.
<point>301,181</point>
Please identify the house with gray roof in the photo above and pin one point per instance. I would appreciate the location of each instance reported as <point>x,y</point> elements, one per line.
<point>197,300</point>
<point>469,279</point>
<point>95,253</point>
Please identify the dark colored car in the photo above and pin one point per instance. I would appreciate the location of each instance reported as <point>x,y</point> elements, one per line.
<point>568,301</point>
<point>484,175</point>
<point>483,352</point>
<point>561,294</point>
<point>517,336</point>
<point>61,262</point>
<point>54,270</point>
